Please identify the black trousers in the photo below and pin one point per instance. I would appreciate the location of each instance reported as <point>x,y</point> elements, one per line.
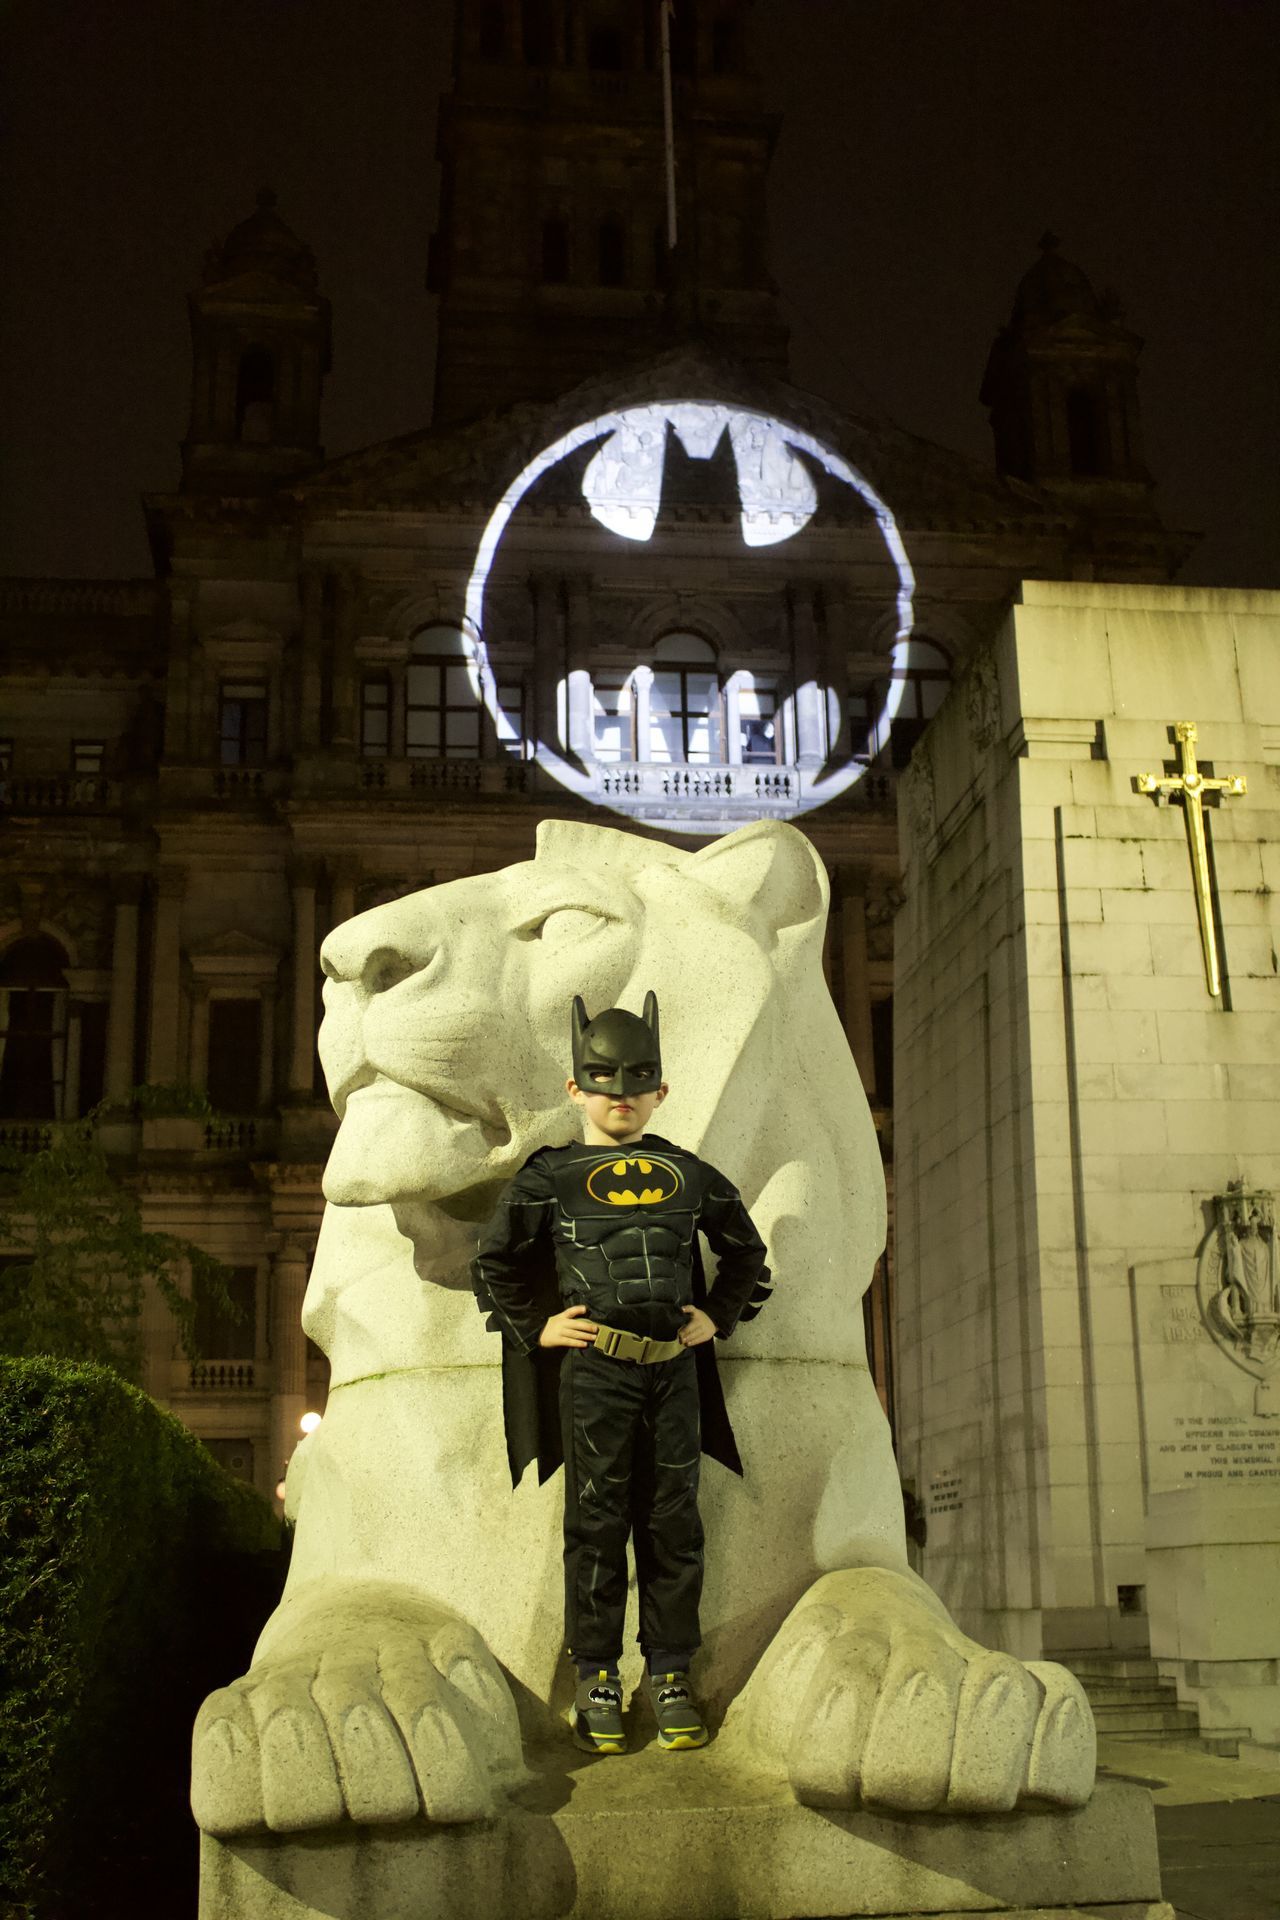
<point>632,1446</point>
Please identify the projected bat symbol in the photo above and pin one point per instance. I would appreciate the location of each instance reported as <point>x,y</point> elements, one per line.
<point>622,484</point>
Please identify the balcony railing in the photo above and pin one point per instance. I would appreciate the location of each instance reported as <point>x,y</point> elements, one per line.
<point>25,1136</point>
<point>223,1376</point>
<point>59,793</point>
<point>504,776</point>
<point>664,792</point>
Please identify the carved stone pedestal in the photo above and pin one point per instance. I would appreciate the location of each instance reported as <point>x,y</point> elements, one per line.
<point>658,1835</point>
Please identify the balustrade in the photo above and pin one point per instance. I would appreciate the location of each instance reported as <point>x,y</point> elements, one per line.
<point>58,793</point>
<point>223,1376</point>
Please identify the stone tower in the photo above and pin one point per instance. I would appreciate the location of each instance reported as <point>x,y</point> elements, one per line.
<point>1061,387</point>
<point>1062,382</point>
<point>260,342</point>
<point>551,258</point>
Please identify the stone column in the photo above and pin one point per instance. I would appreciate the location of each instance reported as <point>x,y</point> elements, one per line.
<point>811,745</point>
<point>733,720</point>
<point>288,1350</point>
<point>835,667</point>
<point>198,1048</point>
<point>159,1344</point>
<point>548,659</point>
<point>345,719</point>
<point>71,1066</point>
<point>177,707</point>
<point>311,590</point>
<point>124,993</point>
<point>342,894</point>
<point>166,993</point>
<point>267,1056</point>
<point>641,689</point>
<point>302,880</point>
<point>856,981</point>
<point>581,723</point>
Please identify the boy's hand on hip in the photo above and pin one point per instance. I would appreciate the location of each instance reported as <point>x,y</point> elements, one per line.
<point>698,1326</point>
<point>569,1329</point>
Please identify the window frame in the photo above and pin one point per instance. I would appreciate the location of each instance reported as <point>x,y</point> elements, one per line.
<point>426,658</point>
<point>248,694</point>
<point>370,750</point>
<point>78,747</point>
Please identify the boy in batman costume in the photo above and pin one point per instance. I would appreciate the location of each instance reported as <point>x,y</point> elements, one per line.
<point>590,1271</point>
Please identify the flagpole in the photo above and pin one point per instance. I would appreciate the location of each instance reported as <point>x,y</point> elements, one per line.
<point>668,122</point>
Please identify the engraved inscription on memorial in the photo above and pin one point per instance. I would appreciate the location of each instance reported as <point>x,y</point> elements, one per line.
<point>946,1493</point>
<point>1221,1446</point>
<point>1239,1289</point>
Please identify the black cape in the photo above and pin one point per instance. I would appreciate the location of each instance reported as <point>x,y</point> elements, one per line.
<point>531,1391</point>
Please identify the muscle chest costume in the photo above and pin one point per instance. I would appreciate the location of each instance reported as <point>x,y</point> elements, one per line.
<point>615,1229</point>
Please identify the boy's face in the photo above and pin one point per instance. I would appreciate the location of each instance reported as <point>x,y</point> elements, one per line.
<point>615,1117</point>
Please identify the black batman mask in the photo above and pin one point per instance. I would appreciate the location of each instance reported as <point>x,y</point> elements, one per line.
<point>617,1052</point>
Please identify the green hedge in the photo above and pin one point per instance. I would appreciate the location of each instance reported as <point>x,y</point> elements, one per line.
<point>134,1573</point>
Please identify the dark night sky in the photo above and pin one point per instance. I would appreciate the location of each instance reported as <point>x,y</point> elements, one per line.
<point>926,144</point>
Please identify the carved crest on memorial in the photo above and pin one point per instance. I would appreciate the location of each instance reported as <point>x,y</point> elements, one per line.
<point>1239,1287</point>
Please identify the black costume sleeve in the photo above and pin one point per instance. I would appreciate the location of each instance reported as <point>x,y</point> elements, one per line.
<point>742,1278</point>
<point>509,1272</point>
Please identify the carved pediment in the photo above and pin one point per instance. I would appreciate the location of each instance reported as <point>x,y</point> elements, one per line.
<point>234,956</point>
<point>476,463</point>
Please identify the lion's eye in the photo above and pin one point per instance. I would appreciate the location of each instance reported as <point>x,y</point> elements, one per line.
<point>563,924</point>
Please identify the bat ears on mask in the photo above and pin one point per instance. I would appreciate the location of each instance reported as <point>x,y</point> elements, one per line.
<point>580,1021</point>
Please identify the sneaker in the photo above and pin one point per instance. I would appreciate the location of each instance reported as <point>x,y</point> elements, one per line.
<point>597,1714</point>
<point>679,1722</point>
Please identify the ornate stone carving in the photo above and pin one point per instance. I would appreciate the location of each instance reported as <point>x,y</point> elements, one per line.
<point>1239,1287</point>
<point>921,800</point>
<point>982,701</point>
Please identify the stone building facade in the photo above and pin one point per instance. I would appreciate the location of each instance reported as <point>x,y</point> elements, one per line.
<point>206,770</point>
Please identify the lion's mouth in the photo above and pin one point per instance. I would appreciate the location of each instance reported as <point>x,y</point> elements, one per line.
<point>369,1085</point>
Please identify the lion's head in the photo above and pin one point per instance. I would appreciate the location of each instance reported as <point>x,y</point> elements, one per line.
<point>446,1037</point>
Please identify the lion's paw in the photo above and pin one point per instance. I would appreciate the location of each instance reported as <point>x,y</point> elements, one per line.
<point>870,1692</point>
<point>373,1705</point>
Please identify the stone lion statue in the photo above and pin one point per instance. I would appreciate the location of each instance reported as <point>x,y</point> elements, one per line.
<point>416,1657</point>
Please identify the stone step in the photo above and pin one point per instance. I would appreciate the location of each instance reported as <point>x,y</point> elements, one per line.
<point>1105,1693</point>
<point>1146,1720</point>
<point>1106,1665</point>
<point>1226,1742</point>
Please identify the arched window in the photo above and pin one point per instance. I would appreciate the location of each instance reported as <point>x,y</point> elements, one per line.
<point>493,32</point>
<point>606,50</point>
<point>611,254</point>
<point>33,1029</point>
<point>684,38</point>
<point>442,717</point>
<point>758,728</point>
<point>1084,431</point>
<point>685,721</point>
<point>924,668</point>
<point>535,32</point>
<point>724,45</point>
<point>255,396</point>
<point>555,252</point>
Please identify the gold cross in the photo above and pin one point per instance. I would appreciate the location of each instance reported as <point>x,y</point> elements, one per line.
<point>1192,785</point>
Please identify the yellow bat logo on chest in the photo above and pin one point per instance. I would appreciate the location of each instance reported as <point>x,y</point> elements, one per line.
<point>634,1180</point>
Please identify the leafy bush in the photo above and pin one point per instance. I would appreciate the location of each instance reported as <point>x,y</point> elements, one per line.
<point>134,1574</point>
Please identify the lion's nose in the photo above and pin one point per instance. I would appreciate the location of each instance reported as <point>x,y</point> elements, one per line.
<point>363,953</point>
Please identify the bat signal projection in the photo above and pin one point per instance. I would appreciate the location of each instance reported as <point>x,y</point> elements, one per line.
<point>622,486</point>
